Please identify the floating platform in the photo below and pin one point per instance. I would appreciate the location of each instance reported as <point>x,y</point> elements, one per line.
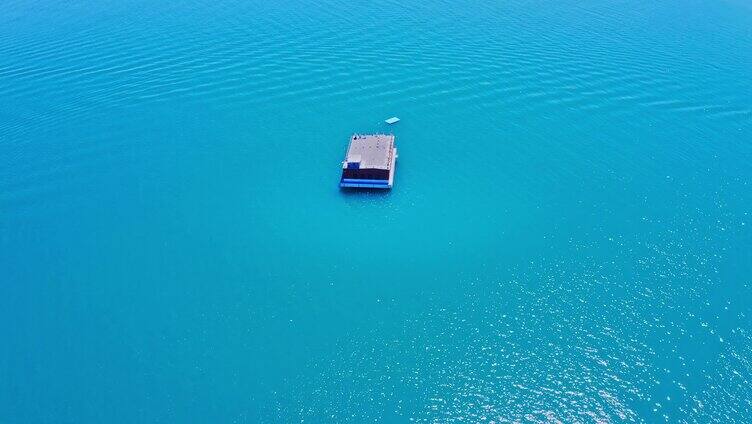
<point>369,162</point>
<point>392,120</point>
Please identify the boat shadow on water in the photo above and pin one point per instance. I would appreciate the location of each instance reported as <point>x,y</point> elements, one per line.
<point>364,192</point>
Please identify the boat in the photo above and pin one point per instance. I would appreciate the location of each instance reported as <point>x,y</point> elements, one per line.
<point>369,162</point>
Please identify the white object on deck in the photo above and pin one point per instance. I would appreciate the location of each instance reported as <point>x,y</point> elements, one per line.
<point>392,120</point>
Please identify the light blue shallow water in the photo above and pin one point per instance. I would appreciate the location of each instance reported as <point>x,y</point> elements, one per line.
<point>568,239</point>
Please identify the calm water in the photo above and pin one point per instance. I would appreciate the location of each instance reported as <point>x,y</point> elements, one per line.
<point>569,237</point>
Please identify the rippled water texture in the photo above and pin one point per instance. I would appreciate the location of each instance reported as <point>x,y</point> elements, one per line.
<point>568,238</point>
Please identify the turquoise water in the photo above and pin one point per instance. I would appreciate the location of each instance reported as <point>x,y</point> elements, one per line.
<point>568,239</point>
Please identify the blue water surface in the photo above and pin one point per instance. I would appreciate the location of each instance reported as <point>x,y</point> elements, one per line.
<point>568,238</point>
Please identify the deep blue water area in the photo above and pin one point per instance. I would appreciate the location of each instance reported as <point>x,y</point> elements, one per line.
<point>568,238</point>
